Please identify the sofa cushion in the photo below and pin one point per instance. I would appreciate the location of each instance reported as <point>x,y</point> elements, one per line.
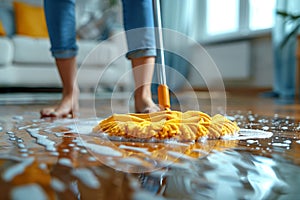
<point>97,53</point>
<point>30,20</point>
<point>6,51</point>
<point>31,50</point>
<point>28,50</point>
<point>2,30</point>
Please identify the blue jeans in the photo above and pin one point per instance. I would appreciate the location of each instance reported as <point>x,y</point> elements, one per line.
<point>138,23</point>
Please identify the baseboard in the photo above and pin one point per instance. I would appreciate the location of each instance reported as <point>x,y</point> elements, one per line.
<point>30,90</point>
<point>238,89</point>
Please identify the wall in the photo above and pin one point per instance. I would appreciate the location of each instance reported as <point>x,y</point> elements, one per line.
<point>247,63</point>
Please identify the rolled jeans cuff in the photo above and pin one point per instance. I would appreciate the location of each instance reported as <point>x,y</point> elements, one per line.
<point>141,53</point>
<point>64,53</point>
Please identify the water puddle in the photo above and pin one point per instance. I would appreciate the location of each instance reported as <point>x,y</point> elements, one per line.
<point>63,159</point>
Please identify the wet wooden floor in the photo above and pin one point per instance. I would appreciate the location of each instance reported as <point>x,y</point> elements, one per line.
<point>62,159</point>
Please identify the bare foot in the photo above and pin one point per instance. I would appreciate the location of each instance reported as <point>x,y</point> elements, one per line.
<point>68,107</point>
<point>146,106</point>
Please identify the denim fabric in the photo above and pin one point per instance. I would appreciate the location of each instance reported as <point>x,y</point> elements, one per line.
<point>60,17</point>
<point>139,27</point>
<point>138,15</point>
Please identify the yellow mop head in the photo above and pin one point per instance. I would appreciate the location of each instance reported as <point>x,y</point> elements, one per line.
<point>187,126</point>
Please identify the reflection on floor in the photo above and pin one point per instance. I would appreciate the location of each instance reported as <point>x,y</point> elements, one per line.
<point>63,159</point>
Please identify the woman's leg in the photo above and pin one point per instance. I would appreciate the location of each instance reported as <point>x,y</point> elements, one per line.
<point>143,71</point>
<point>68,104</point>
<point>60,17</point>
<point>139,26</point>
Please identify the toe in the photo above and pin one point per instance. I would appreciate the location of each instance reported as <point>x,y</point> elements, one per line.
<point>151,109</point>
<point>46,112</point>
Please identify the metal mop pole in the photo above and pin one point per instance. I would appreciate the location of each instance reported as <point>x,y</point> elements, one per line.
<point>163,90</point>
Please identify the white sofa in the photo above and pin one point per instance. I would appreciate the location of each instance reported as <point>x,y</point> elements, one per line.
<point>27,62</point>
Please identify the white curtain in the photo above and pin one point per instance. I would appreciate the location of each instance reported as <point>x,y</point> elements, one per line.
<point>177,15</point>
<point>284,47</point>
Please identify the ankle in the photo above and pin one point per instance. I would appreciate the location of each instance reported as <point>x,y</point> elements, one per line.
<point>70,91</point>
<point>143,93</point>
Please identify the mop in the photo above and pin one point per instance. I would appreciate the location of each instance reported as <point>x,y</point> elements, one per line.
<point>166,124</point>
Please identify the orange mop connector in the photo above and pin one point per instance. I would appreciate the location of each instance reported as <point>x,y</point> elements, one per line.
<point>163,97</point>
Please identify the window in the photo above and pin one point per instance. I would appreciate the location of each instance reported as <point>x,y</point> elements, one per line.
<point>223,19</point>
<point>219,21</point>
<point>261,14</point>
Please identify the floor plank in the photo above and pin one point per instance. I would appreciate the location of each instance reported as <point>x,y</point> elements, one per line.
<point>62,159</point>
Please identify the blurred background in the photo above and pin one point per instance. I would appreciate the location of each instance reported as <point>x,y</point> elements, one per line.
<point>252,42</point>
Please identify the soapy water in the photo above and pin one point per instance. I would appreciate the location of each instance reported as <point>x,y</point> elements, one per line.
<point>261,162</point>
<point>229,175</point>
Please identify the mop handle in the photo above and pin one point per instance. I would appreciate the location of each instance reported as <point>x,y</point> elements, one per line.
<point>161,71</point>
<point>163,90</point>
